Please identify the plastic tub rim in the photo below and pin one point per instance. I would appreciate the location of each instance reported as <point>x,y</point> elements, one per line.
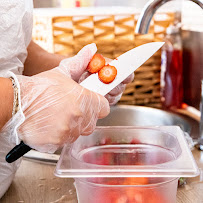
<point>111,166</point>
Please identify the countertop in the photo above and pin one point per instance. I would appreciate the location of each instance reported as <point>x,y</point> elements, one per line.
<point>35,183</point>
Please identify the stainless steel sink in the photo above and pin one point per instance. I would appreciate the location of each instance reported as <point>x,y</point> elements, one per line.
<point>124,115</point>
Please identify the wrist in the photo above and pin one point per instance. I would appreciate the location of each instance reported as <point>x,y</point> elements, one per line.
<point>6,102</point>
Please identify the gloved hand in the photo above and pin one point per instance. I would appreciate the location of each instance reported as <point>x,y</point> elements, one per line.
<point>115,94</point>
<point>79,73</point>
<point>57,109</point>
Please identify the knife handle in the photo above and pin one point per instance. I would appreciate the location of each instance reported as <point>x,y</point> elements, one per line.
<point>17,152</point>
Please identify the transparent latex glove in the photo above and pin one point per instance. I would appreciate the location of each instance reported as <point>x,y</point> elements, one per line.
<point>57,109</point>
<point>115,94</point>
<point>79,73</point>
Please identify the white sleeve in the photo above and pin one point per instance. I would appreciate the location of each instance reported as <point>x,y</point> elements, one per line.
<point>10,128</point>
<point>8,140</point>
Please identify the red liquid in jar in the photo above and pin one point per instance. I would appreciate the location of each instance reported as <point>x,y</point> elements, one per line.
<point>172,92</point>
<point>193,66</point>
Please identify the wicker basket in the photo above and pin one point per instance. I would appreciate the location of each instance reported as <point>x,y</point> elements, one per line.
<point>113,30</point>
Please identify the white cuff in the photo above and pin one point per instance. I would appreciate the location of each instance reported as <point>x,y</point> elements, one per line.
<point>10,128</point>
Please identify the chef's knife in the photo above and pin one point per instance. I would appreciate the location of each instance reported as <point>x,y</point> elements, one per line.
<point>125,64</point>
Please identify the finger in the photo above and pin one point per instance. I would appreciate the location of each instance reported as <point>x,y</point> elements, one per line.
<point>113,99</point>
<point>89,129</point>
<point>117,90</point>
<point>104,108</point>
<point>75,66</point>
<point>46,148</point>
<point>84,76</point>
<point>99,108</point>
<point>82,59</point>
<point>129,79</point>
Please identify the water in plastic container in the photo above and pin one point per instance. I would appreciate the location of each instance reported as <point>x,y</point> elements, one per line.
<point>128,164</point>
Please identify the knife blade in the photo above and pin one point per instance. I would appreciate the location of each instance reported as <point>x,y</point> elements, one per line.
<point>125,64</point>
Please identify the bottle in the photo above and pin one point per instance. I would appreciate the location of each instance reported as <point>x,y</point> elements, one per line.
<point>77,3</point>
<point>172,69</point>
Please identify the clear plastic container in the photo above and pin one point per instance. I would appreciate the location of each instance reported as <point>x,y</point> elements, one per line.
<point>128,164</point>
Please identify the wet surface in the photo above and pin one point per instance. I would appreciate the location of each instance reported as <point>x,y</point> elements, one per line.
<point>192,191</point>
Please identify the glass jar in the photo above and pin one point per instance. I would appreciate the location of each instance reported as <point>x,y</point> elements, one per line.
<point>172,69</point>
